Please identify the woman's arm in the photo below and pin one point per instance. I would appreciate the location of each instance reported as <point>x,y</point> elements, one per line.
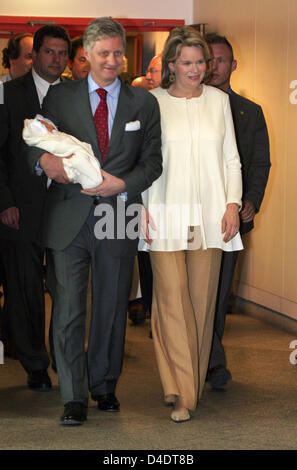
<point>231,221</point>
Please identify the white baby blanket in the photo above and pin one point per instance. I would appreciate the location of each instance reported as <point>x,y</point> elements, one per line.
<point>83,167</point>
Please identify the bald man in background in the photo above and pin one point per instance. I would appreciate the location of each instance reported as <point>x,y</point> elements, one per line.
<point>154,72</point>
<point>140,82</point>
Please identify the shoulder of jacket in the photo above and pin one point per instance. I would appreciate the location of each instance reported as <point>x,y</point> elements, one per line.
<point>67,84</point>
<point>139,94</point>
<point>17,82</point>
<point>243,101</point>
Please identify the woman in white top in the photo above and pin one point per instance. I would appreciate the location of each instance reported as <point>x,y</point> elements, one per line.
<point>194,209</point>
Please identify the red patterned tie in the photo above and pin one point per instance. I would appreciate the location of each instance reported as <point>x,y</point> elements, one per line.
<point>101,122</point>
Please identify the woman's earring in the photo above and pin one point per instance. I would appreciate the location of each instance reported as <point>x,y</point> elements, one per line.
<point>172,77</point>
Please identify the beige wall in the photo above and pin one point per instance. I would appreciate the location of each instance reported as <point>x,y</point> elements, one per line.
<point>167,9</point>
<point>264,36</point>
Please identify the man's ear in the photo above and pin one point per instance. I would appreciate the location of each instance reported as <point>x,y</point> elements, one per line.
<point>234,65</point>
<point>34,53</point>
<point>87,54</point>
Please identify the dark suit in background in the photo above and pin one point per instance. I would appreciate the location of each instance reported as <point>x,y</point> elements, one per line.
<point>135,157</point>
<point>21,250</point>
<point>253,146</point>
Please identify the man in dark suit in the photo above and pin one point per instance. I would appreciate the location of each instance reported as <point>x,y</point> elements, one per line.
<point>253,146</point>
<point>78,63</point>
<point>17,58</point>
<point>22,198</point>
<point>122,124</point>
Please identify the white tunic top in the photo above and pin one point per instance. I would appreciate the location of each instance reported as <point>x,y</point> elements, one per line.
<point>201,173</point>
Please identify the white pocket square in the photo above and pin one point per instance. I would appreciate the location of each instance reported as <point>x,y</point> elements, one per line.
<point>132,126</point>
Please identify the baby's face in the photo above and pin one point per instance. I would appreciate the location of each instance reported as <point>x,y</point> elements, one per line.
<point>48,126</point>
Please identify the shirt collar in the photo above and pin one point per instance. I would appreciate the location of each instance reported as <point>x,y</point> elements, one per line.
<point>42,85</point>
<point>113,89</point>
<point>41,80</point>
<point>230,91</point>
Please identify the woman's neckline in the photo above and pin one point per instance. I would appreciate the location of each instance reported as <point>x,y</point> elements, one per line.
<point>184,97</point>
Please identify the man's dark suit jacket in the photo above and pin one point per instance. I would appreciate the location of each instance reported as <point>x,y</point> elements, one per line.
<point>134,156</point>
<point>253,146</point>
<point>18,186</point>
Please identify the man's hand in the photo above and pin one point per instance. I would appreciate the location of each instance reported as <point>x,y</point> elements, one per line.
<point>11,217</point>
<point>110,186</point>
<point>53,167</point>
<point>230,222</point>
<point>248,211</point>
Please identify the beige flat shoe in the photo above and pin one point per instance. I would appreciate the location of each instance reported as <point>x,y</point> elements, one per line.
<point>180,416</point>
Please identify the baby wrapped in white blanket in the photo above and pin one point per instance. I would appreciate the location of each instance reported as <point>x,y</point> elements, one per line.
<point>83,167</point>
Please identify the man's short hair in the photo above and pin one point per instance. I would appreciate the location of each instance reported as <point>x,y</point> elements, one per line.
<point>76,43</point>
<point>53,31</point>
<point>214,38</point>
<point>13,49</point>
<point>104,27</point>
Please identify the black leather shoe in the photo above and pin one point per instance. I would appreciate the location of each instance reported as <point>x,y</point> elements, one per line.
<point>218,377</point>
<point>39,381</point>
<point>136,313</point>
<point>107,402</point>
<point>75,413</point>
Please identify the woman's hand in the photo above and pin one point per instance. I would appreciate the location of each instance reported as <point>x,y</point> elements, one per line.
<point>230,222</point>
<point>146,222</point>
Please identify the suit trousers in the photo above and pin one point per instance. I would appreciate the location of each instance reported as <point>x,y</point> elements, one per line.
<point>4,327</point>
<point>100,369</point>
<point>24,306</point>
<point>217,354</point>
<point>146,280</point>
<point>184,292</point>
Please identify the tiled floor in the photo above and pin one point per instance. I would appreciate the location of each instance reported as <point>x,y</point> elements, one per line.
<point>256,411</point>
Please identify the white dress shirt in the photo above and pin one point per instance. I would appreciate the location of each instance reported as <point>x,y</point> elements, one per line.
<point>42,85</point>
<point>112,98</point>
